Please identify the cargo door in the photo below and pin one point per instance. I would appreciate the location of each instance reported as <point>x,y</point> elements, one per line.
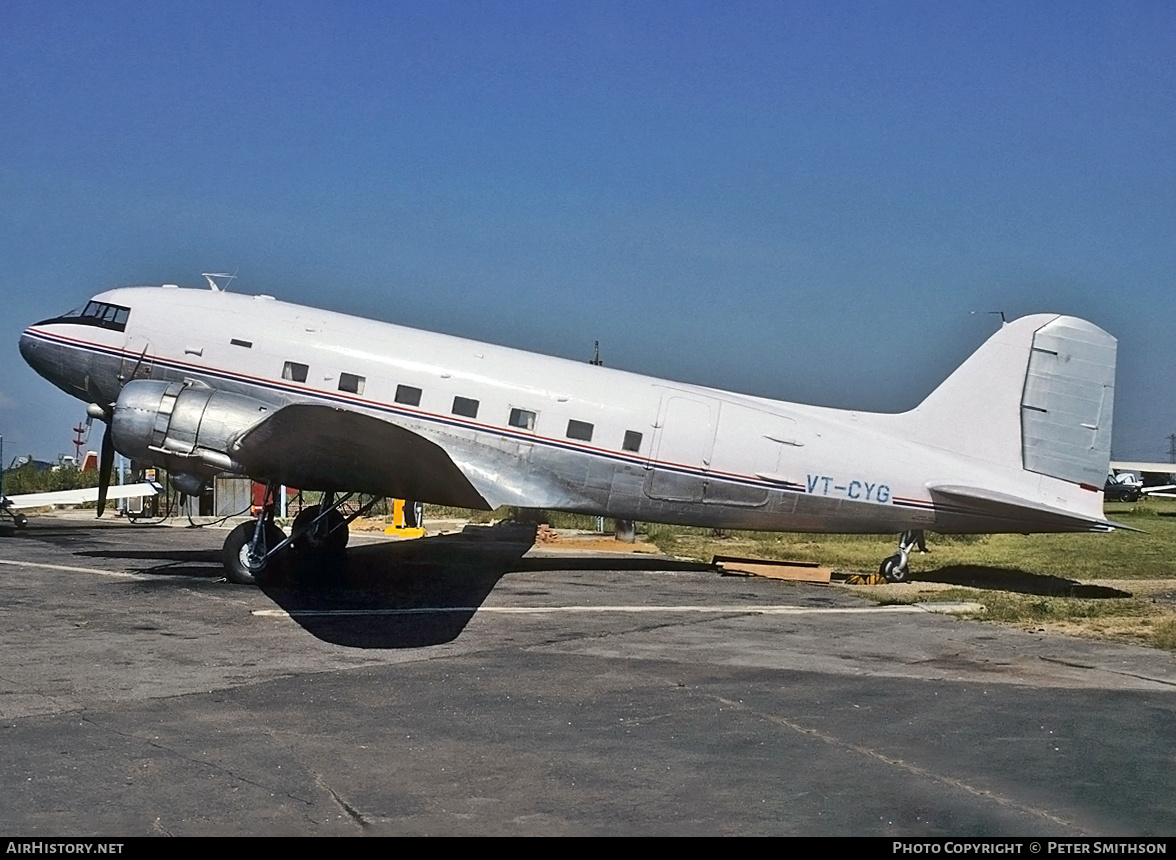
<point>681,450</point>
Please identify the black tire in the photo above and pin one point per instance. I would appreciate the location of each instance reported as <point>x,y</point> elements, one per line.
<point>894,570</point>
<point>310,544</point>
<point>235,553</point>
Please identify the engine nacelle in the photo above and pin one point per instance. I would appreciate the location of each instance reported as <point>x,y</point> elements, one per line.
<point>189,485</point>
<point>182,426</point>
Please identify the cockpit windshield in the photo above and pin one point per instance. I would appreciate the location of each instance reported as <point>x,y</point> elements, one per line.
<point>99,314</point>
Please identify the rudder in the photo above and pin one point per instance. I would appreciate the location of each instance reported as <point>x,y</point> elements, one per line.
<point>1068,403</point>
<point>1037,395</point>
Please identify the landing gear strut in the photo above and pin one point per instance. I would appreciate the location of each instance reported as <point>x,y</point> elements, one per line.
<point>19,520</point>
<point>894,568</point>
<point>250,548</point>
<point>320,529</point>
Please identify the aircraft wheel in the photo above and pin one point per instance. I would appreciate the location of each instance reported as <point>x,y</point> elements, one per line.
<point>894,569</point>
<point>239,567</point>
<point>311,542</point>
<point>21,520</point>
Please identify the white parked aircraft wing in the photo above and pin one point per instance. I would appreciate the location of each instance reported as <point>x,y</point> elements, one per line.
<point>1164,492</point>
<point>78,497</point>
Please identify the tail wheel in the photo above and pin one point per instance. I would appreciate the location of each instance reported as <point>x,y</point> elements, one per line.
<point>894,569</point>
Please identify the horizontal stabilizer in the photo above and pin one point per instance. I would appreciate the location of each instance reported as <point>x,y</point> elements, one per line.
<point>1034,516</point>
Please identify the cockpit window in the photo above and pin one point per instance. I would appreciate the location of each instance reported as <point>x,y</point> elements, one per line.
<point>95,313</point>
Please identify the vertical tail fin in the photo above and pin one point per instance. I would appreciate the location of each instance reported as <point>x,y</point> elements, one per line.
<point>1037,395</point>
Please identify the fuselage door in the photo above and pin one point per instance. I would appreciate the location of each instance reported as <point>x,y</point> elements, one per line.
<point>747,447</point>
<point>682,446</point>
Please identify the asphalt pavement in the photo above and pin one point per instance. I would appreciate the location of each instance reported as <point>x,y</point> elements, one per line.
<point>472,684</point>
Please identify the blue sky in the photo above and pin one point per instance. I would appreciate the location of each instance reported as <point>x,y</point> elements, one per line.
<point>808,201</point>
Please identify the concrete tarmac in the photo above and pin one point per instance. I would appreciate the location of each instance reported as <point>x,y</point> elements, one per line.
<point>473,684</point>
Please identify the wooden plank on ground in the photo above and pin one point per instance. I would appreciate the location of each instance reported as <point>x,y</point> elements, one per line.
<point>796,571</point>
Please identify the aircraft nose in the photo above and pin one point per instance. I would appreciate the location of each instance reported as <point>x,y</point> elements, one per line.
<point>28,348</point>
<point>38,355</point>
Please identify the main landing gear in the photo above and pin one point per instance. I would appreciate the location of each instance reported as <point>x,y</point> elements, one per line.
<point>894,568</point>
<point>19,520</point>
<point>252,549</point>
<point>320,529</point>
<point>249,550</point>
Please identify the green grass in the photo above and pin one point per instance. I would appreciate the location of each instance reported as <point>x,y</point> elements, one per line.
<point>1120,554</point>
<point>1036,582</point>
<point>1126,616</point>
<point>1164,634</point>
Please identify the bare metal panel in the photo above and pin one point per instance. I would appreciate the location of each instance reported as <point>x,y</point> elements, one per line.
<point>232,496</point>
<point>1068,401</point>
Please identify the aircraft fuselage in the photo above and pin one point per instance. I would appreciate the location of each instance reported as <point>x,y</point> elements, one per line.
<point>544,432</point>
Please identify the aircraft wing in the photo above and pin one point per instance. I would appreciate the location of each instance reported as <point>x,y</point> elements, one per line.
<point>1001,506</point>
<point>322,447</point>
<point>317,447</point>
<point>1164,492</point>
<point>77,497</point>
<point>1154,468</point>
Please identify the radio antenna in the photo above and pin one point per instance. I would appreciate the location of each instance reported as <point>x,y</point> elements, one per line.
<point>213,285</point>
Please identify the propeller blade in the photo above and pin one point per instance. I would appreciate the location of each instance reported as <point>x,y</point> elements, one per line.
<point>105,467</point>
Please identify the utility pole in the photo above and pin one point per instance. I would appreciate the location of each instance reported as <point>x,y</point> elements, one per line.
<point>596,360</point>
<point>1172,448</point>
<point>79,438</point>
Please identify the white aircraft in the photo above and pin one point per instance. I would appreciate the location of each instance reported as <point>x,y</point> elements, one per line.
<point>11,505</point>
<point>1125,483</point>
<point>201,382</point>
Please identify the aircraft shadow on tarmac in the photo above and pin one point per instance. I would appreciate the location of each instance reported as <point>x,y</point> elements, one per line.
<point>202,563</point>
<point>1020,581</point>
<point>418,593</point>
<point>404,594</point>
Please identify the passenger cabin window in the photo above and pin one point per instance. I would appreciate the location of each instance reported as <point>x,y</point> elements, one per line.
<point>522,418</point>
<point>632,441</point>
<point>294,371</point>
<point>581,430</point>
<point>351,382</point>
<point>248,344</point>
<point>465,407</point>
<point>408,395</point>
